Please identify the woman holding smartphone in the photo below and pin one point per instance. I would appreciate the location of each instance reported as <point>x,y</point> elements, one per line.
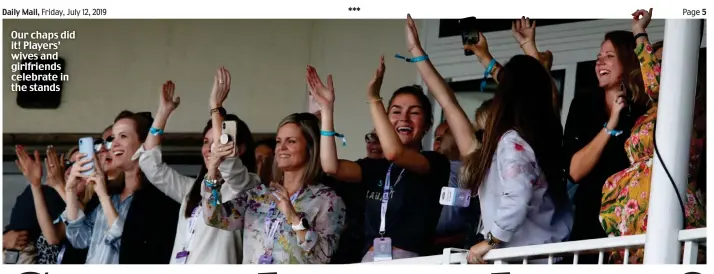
<point>134,222</point>
<point>197,243</point>
<point>297,219</point>
<point>402,205</point>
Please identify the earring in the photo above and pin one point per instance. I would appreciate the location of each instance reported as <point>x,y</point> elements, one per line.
<point>622,86</point>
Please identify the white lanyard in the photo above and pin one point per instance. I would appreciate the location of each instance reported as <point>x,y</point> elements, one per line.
<point>385,198</point>
<point>191,225</point>
<point>272,227</point>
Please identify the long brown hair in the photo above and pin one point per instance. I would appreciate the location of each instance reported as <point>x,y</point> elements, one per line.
<point>309,126</point>
<point>624,43</point>
<point>244,137</point>
<point>523,103</point>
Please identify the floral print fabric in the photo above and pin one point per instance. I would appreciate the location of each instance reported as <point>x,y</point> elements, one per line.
<point>625,197</point>
<point>317,203</point>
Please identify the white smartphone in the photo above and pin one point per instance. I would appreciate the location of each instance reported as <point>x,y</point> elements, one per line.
<point>229,130</point>
<point>455,197</point>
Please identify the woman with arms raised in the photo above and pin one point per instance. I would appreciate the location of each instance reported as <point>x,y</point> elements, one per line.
<point>297,220</point>
<point>197,243</point>
<point>519,179</point>
<point>402,201</point>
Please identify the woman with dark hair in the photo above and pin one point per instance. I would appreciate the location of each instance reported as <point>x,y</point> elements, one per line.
<point>521,189</point>
<point>295,220</point>
<point>625,195</point>
<point>402,202</point>
<point>128,221</point>
<point>597,126</point>
<point>197,243</point>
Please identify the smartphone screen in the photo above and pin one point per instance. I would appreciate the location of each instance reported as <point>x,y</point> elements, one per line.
<point>469,33</point>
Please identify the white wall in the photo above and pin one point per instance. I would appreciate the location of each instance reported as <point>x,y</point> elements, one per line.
<point>120,64</point>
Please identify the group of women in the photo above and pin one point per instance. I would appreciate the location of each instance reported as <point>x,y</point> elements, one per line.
<point>258,206</point>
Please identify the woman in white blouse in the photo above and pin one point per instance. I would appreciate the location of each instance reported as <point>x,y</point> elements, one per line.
<point>197,243</point>
<point>517,173</point>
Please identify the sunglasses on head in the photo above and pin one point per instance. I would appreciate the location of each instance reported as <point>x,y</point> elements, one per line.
<point>371,138</point>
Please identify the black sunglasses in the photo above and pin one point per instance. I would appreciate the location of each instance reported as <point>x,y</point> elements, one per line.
<point>371,138</point>
<point>68,163</point>
<point>99,142</point>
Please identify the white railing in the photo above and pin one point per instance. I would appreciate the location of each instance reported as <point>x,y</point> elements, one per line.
<point>692,239</point>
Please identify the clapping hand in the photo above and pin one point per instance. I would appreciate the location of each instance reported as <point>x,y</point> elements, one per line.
<point>412,34</point>
<point>221,87</point>
<point>167,101</point>
<point>323,95</point>
<point>30,168</point>
<point>55,168</point>
<point>375,85</point>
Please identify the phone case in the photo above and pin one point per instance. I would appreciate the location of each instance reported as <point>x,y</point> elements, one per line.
<point>455,197</point>
<point>229,128</point>
<point>86,146</point>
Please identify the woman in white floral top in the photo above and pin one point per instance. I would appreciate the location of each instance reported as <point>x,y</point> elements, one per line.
<point>296,220</point>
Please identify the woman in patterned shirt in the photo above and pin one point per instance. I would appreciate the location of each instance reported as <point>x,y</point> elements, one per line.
<point>295,220</point>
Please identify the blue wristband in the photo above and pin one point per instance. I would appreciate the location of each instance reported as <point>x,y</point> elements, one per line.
<point>413,59</point>
<point>334,134</point>
<point>486,73</point>
<point>612,132</point>
<point>214,191</point>
<point>156,131</point>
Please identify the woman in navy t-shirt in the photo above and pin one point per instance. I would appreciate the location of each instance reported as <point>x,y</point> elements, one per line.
<point>400,224</point>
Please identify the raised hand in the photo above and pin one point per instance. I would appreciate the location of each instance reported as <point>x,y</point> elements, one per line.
<point>523,30</point>
<point>221,87</point>
<point>30,168</point>
<point>640,20</point>
<point>412,34</point>
<point>323,95</point>
<point>479,49</point>
<point>55,168</point>
<point>376,84</point>
<point>167,102</point>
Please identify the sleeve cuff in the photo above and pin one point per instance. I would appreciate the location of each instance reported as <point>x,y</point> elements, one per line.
<point>113,234</point>
<point>227,167</point>
<point>154,153</point>
<point>80,217</point>
<point>501,234</point>
<point>310,240</point>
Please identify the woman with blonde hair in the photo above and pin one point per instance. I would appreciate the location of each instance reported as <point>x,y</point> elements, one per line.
<point>51,245</point>
<point>295,220</point>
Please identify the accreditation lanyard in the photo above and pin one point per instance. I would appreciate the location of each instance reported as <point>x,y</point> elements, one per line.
<point>385,198</point>
<point>271,227</point>
<point>191,226</point>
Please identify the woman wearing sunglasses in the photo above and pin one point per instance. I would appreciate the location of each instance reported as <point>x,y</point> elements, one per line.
<point>374,148</point>
<point>51,245</point>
